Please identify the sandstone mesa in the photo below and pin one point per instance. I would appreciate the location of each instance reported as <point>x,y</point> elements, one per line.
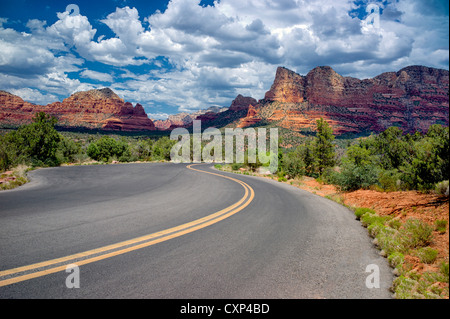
<point>413,98</point>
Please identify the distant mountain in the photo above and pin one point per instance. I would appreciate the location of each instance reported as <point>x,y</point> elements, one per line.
<point>413,98</point>
<point>94,109</point>
<point>185,119</point>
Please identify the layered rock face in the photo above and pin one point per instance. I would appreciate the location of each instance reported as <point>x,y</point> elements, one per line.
<point>413,99</point>
<point>94,109</point>
<point>185,119</point>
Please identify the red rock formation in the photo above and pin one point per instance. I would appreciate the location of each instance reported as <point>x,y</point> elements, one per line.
<point>242,103</point>
<point>251,119</point>
<point>413,98</point>
<point>94,109</point>
<point>288,87</point>
<point>185,119</point>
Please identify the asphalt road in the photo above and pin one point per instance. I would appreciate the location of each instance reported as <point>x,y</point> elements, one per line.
<point>164,230</point>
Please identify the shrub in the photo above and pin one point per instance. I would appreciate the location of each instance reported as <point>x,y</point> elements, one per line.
<point>389,242</point>
<point>362,210</point>
<point>441,226</point>
<point>395,259</point>
<point>394,223</point>
<point>404,287</point>
<point>293,165</point>
<point>442,188</point>
<point>390,180</point>
<point>353,177</point>
<point>370,217</point>
<point>236,166</point>
<point>35,144</point>
<point>375,228</point>
<point>416,234</point>
<point>67,150</point>
<point>427,255</point>
<point>107,148</point>
<point>444,270</point>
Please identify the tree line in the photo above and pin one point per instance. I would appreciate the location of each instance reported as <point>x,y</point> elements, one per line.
<point>388,161</point>
<point>39,144</point>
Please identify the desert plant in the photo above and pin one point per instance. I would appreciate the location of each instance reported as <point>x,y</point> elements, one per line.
<point>441,226</point>
<point>395,259</point>
<point>443,268</point>
<point>441,188</point>
<point>359,211</point>
<point>427,255</point>
<point>415,234</point>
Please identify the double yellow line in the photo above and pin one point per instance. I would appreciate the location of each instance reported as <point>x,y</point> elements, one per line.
<point>11,276</point>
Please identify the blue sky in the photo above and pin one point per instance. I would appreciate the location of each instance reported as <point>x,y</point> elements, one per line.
<point>185,55</point>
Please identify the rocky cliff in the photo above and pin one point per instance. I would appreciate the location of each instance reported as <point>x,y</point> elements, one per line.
<point>185,119</point>
<point>413,98</point>
<point>94,109</point>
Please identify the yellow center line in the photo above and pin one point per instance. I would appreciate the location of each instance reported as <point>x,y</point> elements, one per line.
<point>133,243</point>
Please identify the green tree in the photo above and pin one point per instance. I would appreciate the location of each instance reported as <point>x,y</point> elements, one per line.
<point>391,147</point>
<point>358,169</point>
<point>293,164</point>
<point>430,162</point>
<point>107,148</point>
<point>37,142</point>
<point>306,155</point>
<point>67,149</point>
<point>5,160</point>
<point>324,151</point>
<point>161,148</point>
<point>93,151</point>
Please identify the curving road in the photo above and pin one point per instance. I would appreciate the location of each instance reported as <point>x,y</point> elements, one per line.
<point>160,230</point>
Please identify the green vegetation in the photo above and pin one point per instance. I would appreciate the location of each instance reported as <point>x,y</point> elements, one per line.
<point>35,144</point>
<point>389,161</point>
<point>441,226</point>
<point>413,237</point>
<point>39,144</point>
<point>323,148</point>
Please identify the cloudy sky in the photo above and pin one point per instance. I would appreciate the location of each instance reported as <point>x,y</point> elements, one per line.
<point>185,55</point>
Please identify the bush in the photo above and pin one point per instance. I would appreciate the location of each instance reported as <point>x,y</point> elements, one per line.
<point>67,150</point>
<point>389,242</point>
<point>395,259</point>
<point>162,147</point>
<point>444,270</point>
<point>353,177</point>
<point>404,287</point>
<point>107,148</point>
<point>236,166</point>
<point>35,144</point>
<point>441,226</point>
<point>293,165</point>
<point>370,217</point>
<point>427,255</point>
<point>362,210</point>
<point>441,188</point>
<point>416,234</point>
<point>390,180</point>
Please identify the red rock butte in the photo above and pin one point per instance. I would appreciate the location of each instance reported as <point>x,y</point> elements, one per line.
<point>94,109</point>
<point>413,99</point>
